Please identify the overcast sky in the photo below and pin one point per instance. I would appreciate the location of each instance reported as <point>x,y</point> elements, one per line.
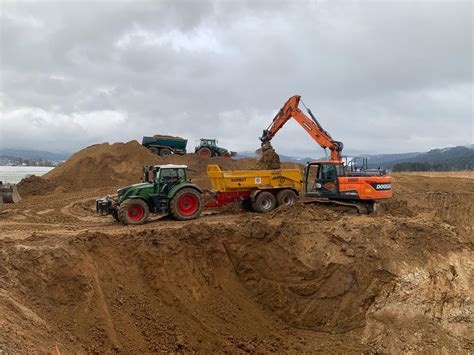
<point>381,76</point>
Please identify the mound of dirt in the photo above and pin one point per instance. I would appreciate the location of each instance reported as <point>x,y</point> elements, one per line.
<point>269,160</point>
<point>121,164</point>
<point>34,186</point>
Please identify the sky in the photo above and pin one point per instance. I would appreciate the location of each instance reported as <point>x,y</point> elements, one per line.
<point>380,76</point>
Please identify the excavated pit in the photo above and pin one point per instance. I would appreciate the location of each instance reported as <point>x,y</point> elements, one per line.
<point>253,287</point>
<point>301,279</point>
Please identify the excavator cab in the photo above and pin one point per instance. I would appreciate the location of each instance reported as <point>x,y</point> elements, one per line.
<point>321,178</point>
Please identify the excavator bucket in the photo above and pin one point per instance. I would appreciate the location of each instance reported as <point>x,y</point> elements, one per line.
<point>9,193</point>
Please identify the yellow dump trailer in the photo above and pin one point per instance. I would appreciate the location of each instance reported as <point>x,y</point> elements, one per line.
<point>260,190</point>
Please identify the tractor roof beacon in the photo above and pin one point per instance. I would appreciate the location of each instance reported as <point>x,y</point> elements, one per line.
<point>164,190</point>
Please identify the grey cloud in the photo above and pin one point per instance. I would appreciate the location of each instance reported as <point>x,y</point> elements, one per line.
<point>381,76</point>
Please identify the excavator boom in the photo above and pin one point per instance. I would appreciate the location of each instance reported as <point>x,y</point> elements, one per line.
<point>310,124</point>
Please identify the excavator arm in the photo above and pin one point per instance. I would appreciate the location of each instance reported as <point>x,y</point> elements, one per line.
<point>310,125</point>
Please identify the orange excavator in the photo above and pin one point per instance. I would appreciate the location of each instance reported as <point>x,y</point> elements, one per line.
<point>339,179</point>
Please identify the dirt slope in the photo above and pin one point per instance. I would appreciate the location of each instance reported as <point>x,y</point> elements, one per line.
<point>261,285</point>
<point>121,164</point>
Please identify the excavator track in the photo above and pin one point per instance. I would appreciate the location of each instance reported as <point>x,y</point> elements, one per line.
<point>375,208</point>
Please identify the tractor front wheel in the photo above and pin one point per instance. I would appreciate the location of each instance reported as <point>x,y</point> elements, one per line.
<point>133,211</point>
<point>186,204</point>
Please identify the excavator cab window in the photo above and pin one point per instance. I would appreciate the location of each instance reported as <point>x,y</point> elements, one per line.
<point>322,178</point>
<point>328,172</point>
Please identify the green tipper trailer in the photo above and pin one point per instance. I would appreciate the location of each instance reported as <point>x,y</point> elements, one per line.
<point>165,145</point>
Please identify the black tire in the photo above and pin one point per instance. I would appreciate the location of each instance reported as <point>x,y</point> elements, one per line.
<point>264,202</point>
<point>115,214</point>
<point>286,197</point>
<point>186,204</point>
<point>204,152</point>
<point>246,205</point>
<point>227,154</point>
<point>154,150</point>
<point>165,152</point>
<point>133,211</point>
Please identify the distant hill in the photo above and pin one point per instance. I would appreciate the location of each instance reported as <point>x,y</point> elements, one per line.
<point>446,159</point>
<point>33,154</point>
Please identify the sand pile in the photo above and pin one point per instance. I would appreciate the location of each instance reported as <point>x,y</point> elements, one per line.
<point>35,185</point>
<point>162,136</point>
<point>121,164</point>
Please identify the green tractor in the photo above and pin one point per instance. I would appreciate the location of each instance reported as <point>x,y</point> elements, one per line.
<point>165,189</point>
<point>208,148</point>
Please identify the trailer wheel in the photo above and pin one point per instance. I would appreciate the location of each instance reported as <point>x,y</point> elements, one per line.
<point>165,152</point>
<point>264,202</point>
<point>154,150</point>
<point>133,211</point>
<point>204,152</point>
<point>286,197</point>
<point>186,204</point>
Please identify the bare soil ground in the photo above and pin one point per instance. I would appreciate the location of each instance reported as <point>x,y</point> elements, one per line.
<point>300,279</point>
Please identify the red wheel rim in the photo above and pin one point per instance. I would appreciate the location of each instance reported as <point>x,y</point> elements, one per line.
<point>205,153</point>
<point>188,204</point>
<point>135,212</point>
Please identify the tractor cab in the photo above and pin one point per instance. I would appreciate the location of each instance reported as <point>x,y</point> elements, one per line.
<point>161,174</point>
<point>205,142</point>
<point>321,178</point>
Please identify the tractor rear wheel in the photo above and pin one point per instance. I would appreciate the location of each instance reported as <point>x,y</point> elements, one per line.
<point>186,204</point>
<point>264,202</point>
<point>133,211</point>
<point>286,197</point>
<point>154,150</point>
<point>204,152</point>
<point>165,152</point>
